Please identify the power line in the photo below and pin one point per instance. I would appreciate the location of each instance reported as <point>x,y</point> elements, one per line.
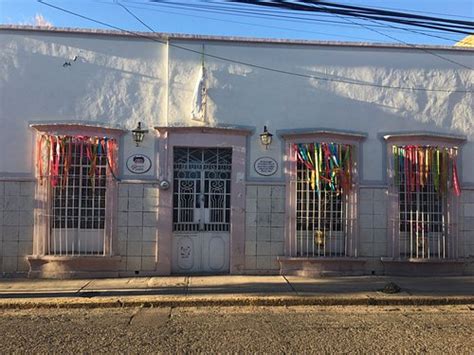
<point>224,10</point>
<point>279,14</point>
<point>374,7</point>
<point>251,24</point>
<point>425,32</point>
<point>408,44</point>
<point>320,6</point>
<point>138,19</point>
<point>456,26</point>
<point>252,65</point>
<point>420,12</point>
<point>372,10</point>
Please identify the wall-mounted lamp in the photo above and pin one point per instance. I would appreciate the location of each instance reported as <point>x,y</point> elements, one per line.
<point>138,134</point>
<point>266,137</point>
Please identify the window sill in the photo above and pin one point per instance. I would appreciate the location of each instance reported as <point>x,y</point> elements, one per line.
<point>65,267</point>
<point>322,266</point>
<point>424,267</point>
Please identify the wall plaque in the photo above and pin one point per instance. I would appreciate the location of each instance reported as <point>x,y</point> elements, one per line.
<point>138,164</point>
<point>265,166</point>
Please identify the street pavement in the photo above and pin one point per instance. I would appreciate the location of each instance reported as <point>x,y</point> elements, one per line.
<point>244,329</point>
<point>234,290</point>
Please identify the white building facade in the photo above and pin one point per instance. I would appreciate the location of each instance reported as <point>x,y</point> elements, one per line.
<point>369,170</point>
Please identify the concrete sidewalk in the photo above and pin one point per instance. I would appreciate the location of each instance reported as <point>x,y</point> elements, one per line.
<point>234,290</point>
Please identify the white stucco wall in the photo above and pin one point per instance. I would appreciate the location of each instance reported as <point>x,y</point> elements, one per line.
<point>248,96</point>
<point>113,81</point>
<point>121,80</point>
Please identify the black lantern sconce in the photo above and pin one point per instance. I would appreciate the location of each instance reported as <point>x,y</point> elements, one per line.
<point>266,137</point>
<point>138,134</point>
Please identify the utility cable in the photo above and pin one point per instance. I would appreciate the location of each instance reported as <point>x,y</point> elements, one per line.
<point>463,27</point>
<point>278,14</point>
<point>252,24</point>
<point>409,44</point>
<point>419,11</point>
<point>317,6</point>
<point>252,65</point>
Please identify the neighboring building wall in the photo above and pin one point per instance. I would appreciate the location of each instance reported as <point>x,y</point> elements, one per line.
<point>265,227</point>
<point>137,228</point>
<point>16,225</point>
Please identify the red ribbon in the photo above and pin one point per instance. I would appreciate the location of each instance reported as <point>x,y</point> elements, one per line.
<point>457,188</point>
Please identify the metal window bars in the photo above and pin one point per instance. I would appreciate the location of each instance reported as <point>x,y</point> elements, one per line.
<point>77,201</point>
<point>425,225</point>
<point>201,196</point>
<point>324,225</point>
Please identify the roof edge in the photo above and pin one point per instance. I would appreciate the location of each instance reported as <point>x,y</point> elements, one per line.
<point>196,37</point>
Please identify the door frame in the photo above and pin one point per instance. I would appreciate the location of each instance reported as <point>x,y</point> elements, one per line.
<point>202,137</point>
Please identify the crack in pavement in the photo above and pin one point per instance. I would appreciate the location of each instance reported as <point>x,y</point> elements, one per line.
<point>134,314</point>
<point>291,286</point>
<point>83,287</point>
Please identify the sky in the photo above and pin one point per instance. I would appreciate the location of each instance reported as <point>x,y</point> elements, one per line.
<point>224,19</point>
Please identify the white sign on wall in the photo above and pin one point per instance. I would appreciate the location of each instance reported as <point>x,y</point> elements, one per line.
<point>265,166</point>
<point>138,164</point>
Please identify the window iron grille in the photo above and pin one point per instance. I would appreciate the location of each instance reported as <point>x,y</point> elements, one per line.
<point>424,224</point>
<point>77,196</point>
<point>324,224</point>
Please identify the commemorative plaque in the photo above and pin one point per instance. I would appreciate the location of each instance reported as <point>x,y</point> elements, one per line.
<point>138,164</point>
<point>265,166</point>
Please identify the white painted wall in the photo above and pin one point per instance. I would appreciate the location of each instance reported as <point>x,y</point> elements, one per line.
<point>113,81</point>
<point>122,80</point>
<point>239,94</point>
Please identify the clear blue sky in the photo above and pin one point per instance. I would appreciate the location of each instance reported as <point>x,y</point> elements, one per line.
<point>197,17</point>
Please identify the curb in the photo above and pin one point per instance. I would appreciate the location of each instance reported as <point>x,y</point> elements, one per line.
<point>217,301</point>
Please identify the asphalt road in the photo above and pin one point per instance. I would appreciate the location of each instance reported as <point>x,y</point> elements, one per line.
<point>447,329</point>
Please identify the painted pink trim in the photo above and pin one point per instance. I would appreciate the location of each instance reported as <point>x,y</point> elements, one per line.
<point>328,135</point>
<point>182,138</point>
<point>77,128</point>
<point>424,139</point>
<point>165,208</point>
<point>290,210</point>
<point>41,220</point>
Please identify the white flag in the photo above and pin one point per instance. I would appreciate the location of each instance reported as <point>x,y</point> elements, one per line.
<point>199,95</point>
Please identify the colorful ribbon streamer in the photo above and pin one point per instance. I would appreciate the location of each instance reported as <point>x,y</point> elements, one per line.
<point>330,165</point>
<point>54,156</point>
<point>415,167</point>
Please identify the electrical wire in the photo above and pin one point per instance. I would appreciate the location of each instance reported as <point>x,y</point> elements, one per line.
<point>252,65</point>
<point>455,26</point>
<point>408,44</point>
<point>251,24</point>
<point>319,7</point>
<point>136,17</point>
<point>279,14</point>
<point>225,11</point>
<point>369,10</point>
<point>417,11</point>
